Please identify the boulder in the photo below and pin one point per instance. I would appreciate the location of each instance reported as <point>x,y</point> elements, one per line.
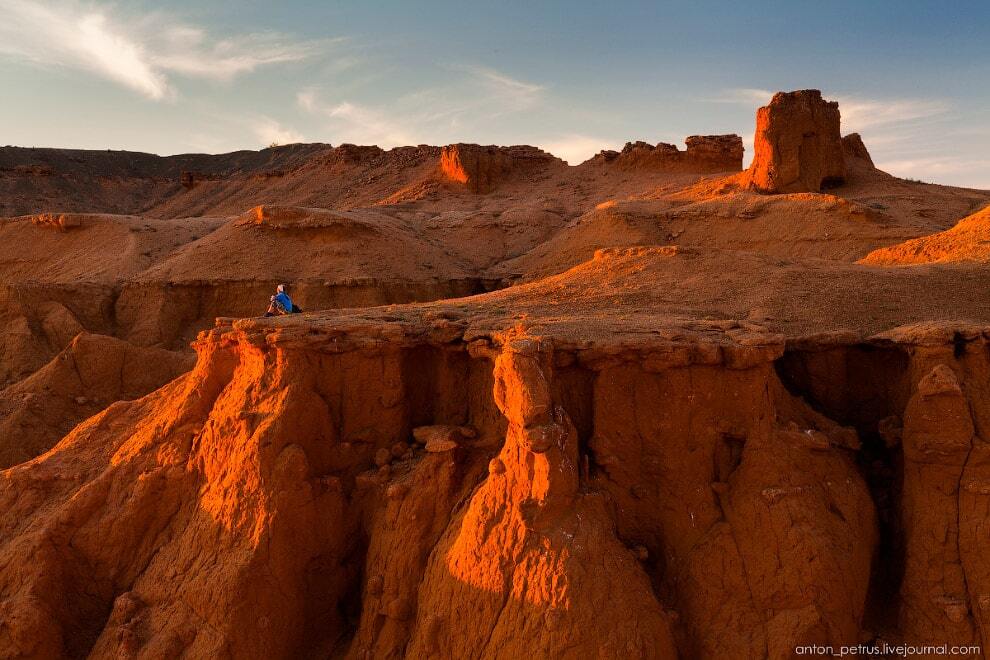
<point>58,221</point>
<point>440,437</point>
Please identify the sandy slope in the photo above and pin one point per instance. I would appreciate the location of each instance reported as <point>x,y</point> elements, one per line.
<point>969,240</point>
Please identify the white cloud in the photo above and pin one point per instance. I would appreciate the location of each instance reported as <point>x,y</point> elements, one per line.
<point>743,96</point>
<point>943,164</point>
<point>355,123</point>
<point>513,93</point>
<point>190,55</point>
<point>575,149</point>
<point>269,131</point>
<point>462,108</point>
<point>139,52</point>
<point>859,114</point>
<point>307,100</point>
<point>367,125</point>
<point>935,168</point>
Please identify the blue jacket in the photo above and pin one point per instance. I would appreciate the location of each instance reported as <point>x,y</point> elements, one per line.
<point>284,301</point>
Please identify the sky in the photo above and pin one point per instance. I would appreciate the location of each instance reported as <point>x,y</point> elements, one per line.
<point>571,77</point>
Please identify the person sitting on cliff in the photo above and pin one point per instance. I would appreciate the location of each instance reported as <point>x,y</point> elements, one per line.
<point>281,303</point>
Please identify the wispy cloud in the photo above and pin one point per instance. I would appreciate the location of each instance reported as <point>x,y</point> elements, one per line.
<point>513,93</point>
<point>860,114</point>
<point>742,96</point>
<point>141,52</point>
<point>269,131</point>
<point>935,165</point>
<point>461,107</point>
<point>359,124</point>
<point>188,52</point>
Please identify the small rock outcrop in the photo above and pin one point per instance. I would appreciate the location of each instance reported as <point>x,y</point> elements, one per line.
<point>440,438</point>
<point>704,154</point>
<point>721,153</point>
<point>853,147</point>
<point>58,221</point>
<point>798,147</point>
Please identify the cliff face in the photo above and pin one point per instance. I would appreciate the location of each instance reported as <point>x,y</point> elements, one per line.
<point>798,147</point>
<point>277,501</point>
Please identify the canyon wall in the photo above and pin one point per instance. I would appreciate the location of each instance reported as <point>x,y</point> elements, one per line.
<point>570,499</point>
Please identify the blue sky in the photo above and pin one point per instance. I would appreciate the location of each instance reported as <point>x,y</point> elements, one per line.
<point>572,77</point>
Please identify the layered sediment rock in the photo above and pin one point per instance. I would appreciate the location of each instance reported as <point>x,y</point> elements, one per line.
<point>189,180</point>
<point>59,221</point>
<point>798,147</point>
<point>717,449</point>
<point>967,241</point>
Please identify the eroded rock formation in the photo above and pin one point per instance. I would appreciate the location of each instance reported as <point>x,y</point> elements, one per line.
<point>798,147</point>
<point>853,147</point>
<point>276,502</point>
<point>967,241</point>
<point>482,168</point>
<point>938,438</point>
<point>705,154</point>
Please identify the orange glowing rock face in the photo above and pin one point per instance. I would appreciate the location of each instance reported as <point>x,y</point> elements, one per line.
<point>451,165</point>
<point>479,168</point>
<point>518,558</point>
<point>798,146</point>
